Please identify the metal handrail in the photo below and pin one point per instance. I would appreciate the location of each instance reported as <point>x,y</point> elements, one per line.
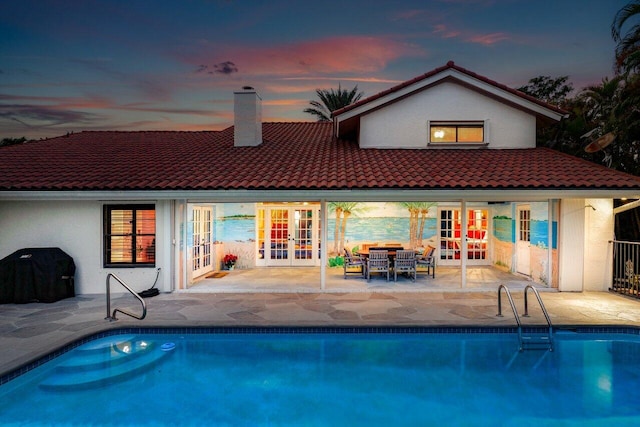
<point>112,317</point>
<point>544,311</point>
<point>513,308</point>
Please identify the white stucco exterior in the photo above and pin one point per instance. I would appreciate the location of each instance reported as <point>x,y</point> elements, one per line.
<point>405,123</point>
<point>76,228</point>
<point>586,227</point>
<point>397,119</point>
<point>599,228</point>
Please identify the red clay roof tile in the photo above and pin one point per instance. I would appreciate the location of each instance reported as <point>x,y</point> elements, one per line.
<point>293,156</point>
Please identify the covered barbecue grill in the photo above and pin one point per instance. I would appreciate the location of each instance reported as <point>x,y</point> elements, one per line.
<point>36,275</point>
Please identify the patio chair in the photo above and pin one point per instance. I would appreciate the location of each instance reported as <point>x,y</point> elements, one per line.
<point>353,264</point>
<point>405,262</point>
<point>427,260</point>
<point>366,246</point>
<point>378,262</point>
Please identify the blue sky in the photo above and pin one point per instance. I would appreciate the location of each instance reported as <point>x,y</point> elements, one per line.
<point>70,65</point>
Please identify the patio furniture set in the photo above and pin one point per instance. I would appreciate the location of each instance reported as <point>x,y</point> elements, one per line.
<point>389,259</point>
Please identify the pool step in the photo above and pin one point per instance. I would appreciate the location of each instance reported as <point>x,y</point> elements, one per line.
<point>107,357</point>
<point>536,342</point>
<point>99,365</point>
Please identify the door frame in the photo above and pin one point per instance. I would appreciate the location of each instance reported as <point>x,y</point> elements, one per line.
<point>523,247</point>
<point>297,252</point>
<point>200,256</point>
<point>449,246</point>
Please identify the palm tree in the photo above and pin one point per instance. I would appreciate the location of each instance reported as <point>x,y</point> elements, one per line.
<point>628,48</point>
<point>600,103</point>
<point>346,209</point>
<point>331,101</point>
<point>417,219</point>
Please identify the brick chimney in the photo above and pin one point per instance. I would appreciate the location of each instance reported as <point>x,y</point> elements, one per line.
<point>247,122</point>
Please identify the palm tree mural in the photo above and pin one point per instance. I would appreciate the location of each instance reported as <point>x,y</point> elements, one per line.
<point>336,229</point>
<point>332,100</point>
<point>628,45</point>
<point>417,219</point>
<point>343,211</point>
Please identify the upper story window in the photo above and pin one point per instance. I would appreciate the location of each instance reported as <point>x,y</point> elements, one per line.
<point>457,132</point>
<point>129,235</point>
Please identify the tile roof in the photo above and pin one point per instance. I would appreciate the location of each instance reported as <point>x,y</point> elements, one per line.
<point>293,156</point>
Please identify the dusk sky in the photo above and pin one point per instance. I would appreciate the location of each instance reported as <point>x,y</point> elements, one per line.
<point>71,65</point>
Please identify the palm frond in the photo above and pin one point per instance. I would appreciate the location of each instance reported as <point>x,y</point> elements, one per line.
<point>332,100</point>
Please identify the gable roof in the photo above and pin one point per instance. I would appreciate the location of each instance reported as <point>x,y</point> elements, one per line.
<point>297,157</point>
<point>447,73</point>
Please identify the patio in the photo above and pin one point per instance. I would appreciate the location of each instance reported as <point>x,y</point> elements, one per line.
<point>307,279</point>
<point>30,331</point>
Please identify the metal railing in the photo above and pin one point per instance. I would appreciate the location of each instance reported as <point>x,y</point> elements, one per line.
<point>530,339</point>
<point>112,316</point>
<point>544,311</point>
<point>513,308</point>
<point>626,268</point>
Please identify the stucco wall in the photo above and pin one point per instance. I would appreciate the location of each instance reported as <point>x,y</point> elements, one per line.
<point>76,228</point>
<point>403,124</point>
<point>599,231</point>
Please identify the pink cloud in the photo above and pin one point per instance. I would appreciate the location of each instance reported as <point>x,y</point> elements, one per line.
<point>445,33</point>
<point>488,39</point>
<point>349,54</point>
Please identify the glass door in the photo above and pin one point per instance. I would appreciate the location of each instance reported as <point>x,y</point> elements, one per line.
<point>450,232</point>
<point>288,235</point>
<point>303,236</point>
<point>279,253</point>
<point>523,241</point>
<point>201,240</point>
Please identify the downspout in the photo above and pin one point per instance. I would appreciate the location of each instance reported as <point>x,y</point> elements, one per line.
<point>550,245</point>
<point>172,256</point>
<point>183,244</point>
<point>463,244</point>
<point>323,244</point>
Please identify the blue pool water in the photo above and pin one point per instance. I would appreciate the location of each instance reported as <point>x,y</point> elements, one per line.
<point>332,379</point>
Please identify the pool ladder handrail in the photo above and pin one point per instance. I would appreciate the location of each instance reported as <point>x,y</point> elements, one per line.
<point>544,311</point>
<point>526,313</point>
<point>513,308</point>
<point>112,316</point>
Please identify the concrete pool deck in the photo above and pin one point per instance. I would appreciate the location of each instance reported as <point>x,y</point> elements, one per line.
<point>30,331</point>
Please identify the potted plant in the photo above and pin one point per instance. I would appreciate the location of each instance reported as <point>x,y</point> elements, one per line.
<point>229,261</point>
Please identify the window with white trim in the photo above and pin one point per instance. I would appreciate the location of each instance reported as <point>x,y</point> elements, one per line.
<point>130,235</point>
<point>456,132</point>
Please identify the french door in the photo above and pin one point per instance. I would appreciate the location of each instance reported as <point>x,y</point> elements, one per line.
<point>450,232</point>
<point>202,233</point>
<point>523,240</point>
<point>289,235</point>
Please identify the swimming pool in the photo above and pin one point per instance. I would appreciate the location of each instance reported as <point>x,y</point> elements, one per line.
<point>380,377</point>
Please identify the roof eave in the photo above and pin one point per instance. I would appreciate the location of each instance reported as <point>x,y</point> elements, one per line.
<point>355,195</point>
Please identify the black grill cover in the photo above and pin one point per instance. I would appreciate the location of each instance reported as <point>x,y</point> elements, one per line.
<point>36,275</point>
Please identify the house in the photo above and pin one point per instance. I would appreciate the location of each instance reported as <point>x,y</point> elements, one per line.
<point>131,203</point>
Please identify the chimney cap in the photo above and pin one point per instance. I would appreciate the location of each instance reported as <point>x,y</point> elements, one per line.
<point>247,88</point>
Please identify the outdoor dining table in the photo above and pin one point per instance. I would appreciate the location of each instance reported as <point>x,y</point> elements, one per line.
<point>392,250</point>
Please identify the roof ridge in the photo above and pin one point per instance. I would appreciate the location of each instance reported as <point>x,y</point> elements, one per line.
<point>438,70</point>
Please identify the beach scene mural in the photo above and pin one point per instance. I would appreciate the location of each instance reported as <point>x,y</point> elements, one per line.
<point>367,222</point>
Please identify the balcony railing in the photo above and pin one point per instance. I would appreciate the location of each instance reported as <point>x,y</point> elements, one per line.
<point>626,268</point>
